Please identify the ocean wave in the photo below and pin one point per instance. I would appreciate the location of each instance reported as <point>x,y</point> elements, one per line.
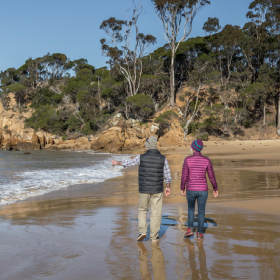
<point>38,182</point>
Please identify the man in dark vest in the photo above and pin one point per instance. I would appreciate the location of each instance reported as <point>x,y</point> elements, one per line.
<point>153,170</point>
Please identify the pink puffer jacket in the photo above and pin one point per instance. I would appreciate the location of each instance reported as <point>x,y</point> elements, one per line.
<point>194,173</point>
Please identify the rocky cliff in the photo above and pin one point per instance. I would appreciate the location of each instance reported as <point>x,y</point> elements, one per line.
<point>119,135</point>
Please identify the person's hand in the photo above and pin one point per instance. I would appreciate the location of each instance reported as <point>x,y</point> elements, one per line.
<point>183,192</point>
<point>167,191</point>
<point>114,162</point>
<point>215,193</point>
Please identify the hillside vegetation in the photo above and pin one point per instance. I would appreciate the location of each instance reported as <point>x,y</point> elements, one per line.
<point>225,82</point>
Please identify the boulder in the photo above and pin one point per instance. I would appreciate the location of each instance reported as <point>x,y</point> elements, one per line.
<point>170,139</point>
<point>53,148</point>
<point>130,144</point>
<point>35,139</point>
<point>111,140</point>
<point>25,146</point>
<point>140,134</point>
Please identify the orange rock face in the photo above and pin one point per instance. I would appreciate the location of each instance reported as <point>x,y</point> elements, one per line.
<point>170,139</point>
<point>35,139</point>
<point>42,141</point>
<point>111,140</point>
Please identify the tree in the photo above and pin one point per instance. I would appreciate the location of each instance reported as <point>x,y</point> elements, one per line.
<point>156,87</point>
<point>99,75</point>
<point>19,92</point>
<point>197,78</point>
<point>80,64</point>
<point>140,106</point>
<point>171,13</point>
<point>127,58</point>
<point>9,77</point>
<point>211,26</point>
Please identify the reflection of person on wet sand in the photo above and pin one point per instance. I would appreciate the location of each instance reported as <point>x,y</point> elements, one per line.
<point>194,181</point>
<point>157,261</point>
<point>153,169</point>
<point>202,261</point>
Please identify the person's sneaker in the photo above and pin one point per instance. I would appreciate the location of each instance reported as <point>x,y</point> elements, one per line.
<point>189,232</point>
<point>200,236</point>
<point>155,240</point>
<point>141,237</point>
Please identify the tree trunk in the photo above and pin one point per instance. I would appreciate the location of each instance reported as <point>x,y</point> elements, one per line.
<point>172,80</point>
<point>264,113</point>
<point>186,128</point>
<point>99,95</point>
<point>134,88</point>
<point>126,112</point>
<point>278,117</point>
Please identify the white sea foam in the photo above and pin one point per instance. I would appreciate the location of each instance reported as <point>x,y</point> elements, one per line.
<point>37,182</point>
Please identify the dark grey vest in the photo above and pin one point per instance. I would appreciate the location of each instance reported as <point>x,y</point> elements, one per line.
<point>151,172</point>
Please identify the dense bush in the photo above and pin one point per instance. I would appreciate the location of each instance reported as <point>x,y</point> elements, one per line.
<point>203,137</point>
<point>140,106</point>
<point>47,119</point>
<point>45,96</point>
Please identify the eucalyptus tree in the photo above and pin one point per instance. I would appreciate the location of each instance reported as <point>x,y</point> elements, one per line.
<point>198,79</point>
<point>8,77</point>
<point>264,26</point>
<point>126,47</point>
<point>173,14</point>
<point>211,26</point>
<point>99,75</point>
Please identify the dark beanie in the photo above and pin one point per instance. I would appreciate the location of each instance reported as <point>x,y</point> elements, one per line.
<point>197,145</point>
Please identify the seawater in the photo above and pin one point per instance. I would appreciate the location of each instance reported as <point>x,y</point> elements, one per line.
<point>25,175</point>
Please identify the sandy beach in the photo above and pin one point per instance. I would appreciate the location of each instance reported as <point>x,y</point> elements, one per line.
<point>89,231</point>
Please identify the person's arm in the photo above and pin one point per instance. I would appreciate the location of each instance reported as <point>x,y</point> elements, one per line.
<point>212,178</point>
<point>127,162</point>
<point>167,177</point>
<point>184,177</point>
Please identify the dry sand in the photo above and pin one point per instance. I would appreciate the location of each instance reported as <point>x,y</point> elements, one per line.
<point>89,231</point>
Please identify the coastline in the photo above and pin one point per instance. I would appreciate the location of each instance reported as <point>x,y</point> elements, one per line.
<point>90,229</point>
<point>263,150</point>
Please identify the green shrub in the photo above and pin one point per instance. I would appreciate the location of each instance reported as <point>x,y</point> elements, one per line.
<point>16,87</point>
<point>64,137</point>
<point>47,119</point>
<point>218,107</point>
<point>141,105</point>
<point>203,137</point>
<point>166,117</point>
<point>209,123</point>
<point>161,120</point>
<point>45,96</point>
<point>89,128</point>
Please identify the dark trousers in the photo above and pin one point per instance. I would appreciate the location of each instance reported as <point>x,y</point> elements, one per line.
<point>201,197</point>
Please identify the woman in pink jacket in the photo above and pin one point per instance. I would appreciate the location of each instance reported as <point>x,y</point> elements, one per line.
<point>194,183</point>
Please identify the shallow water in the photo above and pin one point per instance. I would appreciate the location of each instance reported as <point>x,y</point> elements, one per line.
<point>74,242</point>
<point>234,182</point>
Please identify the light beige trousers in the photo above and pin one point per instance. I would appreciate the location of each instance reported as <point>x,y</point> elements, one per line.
<point>156,210</point>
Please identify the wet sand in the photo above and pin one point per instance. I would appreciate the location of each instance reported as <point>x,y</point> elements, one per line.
<point>89,231</point>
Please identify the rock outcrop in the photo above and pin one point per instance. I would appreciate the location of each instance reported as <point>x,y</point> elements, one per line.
<point>170,139</point>
<point>111,140</point>
<point>20,146</point>
<point>35,139</point>
<point>42,141</point>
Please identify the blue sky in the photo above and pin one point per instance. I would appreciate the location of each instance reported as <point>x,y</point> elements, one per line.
<point>33,28</point>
